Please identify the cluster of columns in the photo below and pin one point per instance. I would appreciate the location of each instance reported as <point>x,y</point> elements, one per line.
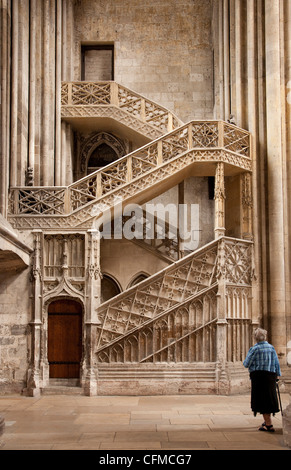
<point>252,73</point>
<point>5,28</point>
<point>37,55</point>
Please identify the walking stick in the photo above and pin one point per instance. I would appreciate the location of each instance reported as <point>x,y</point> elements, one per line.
<point>278,391</point>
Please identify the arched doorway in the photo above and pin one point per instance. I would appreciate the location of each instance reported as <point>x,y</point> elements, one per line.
<point>64,338</point>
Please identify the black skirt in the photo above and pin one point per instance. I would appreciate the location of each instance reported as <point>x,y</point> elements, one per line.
<point>264,399</point>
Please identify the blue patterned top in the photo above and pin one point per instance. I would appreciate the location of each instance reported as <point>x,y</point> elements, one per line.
<point>262,356</point>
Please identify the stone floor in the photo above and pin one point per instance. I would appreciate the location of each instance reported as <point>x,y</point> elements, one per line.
<point>144,423</point>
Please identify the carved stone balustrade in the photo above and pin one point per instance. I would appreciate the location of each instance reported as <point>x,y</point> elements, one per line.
<point>197,147</point>
<point>188,281</point>
<point>196,311</point>
<point>114,101</point>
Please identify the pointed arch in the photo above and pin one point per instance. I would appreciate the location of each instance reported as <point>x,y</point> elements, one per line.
<point>104,142</point>
<point>110,287</point>
<point>137,278</point>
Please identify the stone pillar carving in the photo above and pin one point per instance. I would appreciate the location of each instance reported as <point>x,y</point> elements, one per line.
<point>221,375</point>
<point>93,295</point>
<point>246,206</point>
<point>219,197</point>
<point>33,381</point>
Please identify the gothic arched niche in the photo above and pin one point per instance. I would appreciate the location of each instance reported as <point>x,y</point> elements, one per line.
<point>99,150</point>
<point>137,279</point>
<point>109,288</point>
<point>101,156</point>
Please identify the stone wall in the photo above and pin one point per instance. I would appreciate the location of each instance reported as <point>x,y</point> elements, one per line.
<point>14,330</point>
<point>123,261</point>
<point>163,50</point>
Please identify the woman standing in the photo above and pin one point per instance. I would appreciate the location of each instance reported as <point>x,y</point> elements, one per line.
<point>263,364</point>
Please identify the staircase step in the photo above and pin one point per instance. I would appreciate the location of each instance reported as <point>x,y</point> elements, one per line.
<point>63,387</point>
<point>64,382</point>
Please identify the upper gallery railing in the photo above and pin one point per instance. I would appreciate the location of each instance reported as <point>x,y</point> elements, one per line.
<point>197,141</point>
<point>83,98</point>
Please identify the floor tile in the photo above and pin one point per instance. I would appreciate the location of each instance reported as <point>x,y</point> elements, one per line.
<point>136,423</point>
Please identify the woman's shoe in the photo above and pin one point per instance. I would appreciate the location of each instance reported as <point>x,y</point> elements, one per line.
<point>266,428</point>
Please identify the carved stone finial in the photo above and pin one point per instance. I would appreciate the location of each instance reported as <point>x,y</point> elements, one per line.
<point>29,176</point>
<point>232,119</point>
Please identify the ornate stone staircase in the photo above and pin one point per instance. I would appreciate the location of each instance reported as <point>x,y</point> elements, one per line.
<point>156,295</point>
<point>186,328</point>
<point>101,101</point>
<point>194,148</point>
<point>190,323</point>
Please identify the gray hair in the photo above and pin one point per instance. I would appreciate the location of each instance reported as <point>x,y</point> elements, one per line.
<point>260,335</point>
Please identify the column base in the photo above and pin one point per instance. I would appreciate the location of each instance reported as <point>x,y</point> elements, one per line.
<point>90,384</point>
<point>32,392</point>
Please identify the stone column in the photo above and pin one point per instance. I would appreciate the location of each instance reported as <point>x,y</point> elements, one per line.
<point>221,107</point>
<point>237,75</point>
<point>37,116</point>
<point>221,355</point>
<point>219,197</point>
<point>226,60</point>
<point>93,294</point>
<point>66,74</point>
<point>5,13</point>
<point>14,94</point>
<point>33,382</point>
<point>251,200</point>
<point>32,79</point>
<point>274,106</point>
<point>46,97</point>
<point>58,132</point>
<point>287,6</point>
<point>246,206</point>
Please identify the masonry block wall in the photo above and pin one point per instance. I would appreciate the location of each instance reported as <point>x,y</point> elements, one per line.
<point>162,49</point>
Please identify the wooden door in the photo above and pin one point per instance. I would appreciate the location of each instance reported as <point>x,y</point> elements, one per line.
<point>64,339</point>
